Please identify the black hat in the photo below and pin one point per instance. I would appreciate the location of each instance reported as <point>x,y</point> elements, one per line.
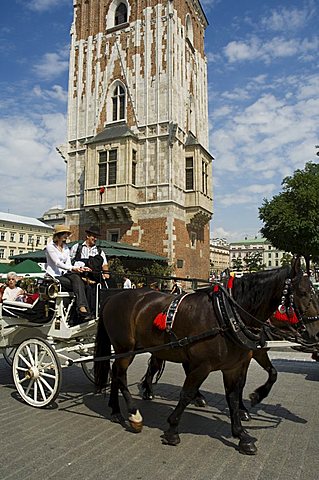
<point>93,230</point>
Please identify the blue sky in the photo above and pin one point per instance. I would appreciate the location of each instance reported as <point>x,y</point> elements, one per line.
<point>263,103</point>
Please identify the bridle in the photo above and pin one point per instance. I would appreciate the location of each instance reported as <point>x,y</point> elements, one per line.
<point>302,315</point>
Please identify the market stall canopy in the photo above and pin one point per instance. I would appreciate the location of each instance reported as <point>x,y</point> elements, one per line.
<point>111,250</point>
<point>27,266</point>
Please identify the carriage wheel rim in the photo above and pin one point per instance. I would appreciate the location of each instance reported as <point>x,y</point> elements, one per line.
<point>36,372</point>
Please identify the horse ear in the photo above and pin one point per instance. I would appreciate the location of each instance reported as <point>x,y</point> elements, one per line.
<point>295,266</point>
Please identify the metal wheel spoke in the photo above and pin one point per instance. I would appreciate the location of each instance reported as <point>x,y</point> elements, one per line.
<point>22,369</point>
<point>25,360</point>
<point>29,386</point>
<point>41,389</point>
<point>30,355</point>
<point>36,354</point>
<point>41,379</point>
<point>48,375</point>
<point>35,391</point>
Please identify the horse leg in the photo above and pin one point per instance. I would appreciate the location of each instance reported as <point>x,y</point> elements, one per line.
<point>114,404</point>
<point>199,400</point>
<point>193,381</point>
<point>146,386</point>
<point>135,418</point>
<point>243,412</point>
<point>262,358</point>
<point>234,382</point>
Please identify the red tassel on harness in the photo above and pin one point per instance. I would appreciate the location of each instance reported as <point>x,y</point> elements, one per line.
<point>160,321</point>
<point>230,283</point>
<point>283,317</point>
<point>216,288</point>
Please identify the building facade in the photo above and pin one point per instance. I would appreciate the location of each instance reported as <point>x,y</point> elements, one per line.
<point>137,153</point>
<point>19,234</point>
<point>219,255</point>
<point>53,216</point>
<point>270,256</point>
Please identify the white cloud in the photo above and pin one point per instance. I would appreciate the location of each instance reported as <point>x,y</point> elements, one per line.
<point>27,151</point>
<point>52,65</point>
<point>287,19</point>
<point>56,93</point>
<point>278,47</point>
<point>43,5</point>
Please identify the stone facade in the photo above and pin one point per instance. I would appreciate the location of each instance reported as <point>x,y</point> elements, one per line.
<point>137,153</point>
<point>19,234</point>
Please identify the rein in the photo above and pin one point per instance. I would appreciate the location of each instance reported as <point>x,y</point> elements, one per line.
<point>178,343</point>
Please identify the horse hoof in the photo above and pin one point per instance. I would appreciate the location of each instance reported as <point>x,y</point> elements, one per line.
<point>170,439</point>
<point>137,427</point>
<point>247,448</point>
<point>147,396</point>
<point>199,402</point>
<point>244,416</point>
<point>254,399</point>
<point>118,418</point>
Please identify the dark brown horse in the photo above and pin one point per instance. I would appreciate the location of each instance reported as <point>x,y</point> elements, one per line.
<point>127,324</point>
<point>277,331</point>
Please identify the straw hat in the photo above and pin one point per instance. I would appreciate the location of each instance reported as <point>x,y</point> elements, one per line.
<point>61,229</point>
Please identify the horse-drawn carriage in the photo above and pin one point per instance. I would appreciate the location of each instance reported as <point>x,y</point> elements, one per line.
<point>41,338</point>
<point>212,331</point>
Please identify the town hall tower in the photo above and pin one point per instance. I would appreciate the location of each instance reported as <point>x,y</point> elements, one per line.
<point>137,154</point>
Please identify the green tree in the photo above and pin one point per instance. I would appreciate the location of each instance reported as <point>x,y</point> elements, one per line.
<point>237,264</point>
<point>253,261</point>
<point>291,218</point>
<point>286,260</point>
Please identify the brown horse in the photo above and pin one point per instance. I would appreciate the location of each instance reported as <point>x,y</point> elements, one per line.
<point>127,324</point>
<point>277,330</point>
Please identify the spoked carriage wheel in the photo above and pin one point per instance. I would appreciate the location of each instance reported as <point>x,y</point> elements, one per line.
<point>8,355</point>
<point>37,372</point>
<point>88,370</point>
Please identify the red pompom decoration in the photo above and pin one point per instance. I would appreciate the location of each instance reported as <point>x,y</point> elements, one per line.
<point>102,190</point>
<point>160,321</point>
<point>216,288</point>
<point>283,317</point>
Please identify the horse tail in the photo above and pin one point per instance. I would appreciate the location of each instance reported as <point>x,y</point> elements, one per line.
<point>102,349</point>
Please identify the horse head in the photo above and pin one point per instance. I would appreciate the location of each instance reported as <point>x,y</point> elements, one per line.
<point>305,299</point>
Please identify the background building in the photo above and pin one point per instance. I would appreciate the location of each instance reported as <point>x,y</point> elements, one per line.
<point>137,153</point>
<point>219,255</point>
<point>53,216</point>
<point>20,234</point>
<point>270,256</point>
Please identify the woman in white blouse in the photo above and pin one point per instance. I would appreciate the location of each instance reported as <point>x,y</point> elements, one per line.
<point>59,265</point>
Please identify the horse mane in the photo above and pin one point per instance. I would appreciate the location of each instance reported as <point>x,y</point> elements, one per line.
<point>258,292</point>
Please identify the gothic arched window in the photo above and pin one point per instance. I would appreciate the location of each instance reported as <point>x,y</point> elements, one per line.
<point>189,29</point>
<point>118,103</point>
<point>120,14</point>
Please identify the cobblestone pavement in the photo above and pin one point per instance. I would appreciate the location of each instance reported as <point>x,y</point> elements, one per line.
<point>75,439</point>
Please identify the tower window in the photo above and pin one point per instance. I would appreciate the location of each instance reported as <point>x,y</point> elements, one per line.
<point>134,163</point>
<point>118,102</point>
<point>205,178</point>
<point>108,167</point>
<point>120,14</point>
<point>189,29</point>
<point>189,173</point>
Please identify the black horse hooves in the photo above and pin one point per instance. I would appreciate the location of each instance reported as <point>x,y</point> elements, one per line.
<point>247,448</point>
<point>199,402</point>
<point>147,396</point>
<point>254,399</point>
<point>170,439</point>
<point>244,416</point>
